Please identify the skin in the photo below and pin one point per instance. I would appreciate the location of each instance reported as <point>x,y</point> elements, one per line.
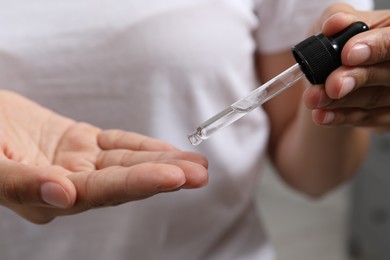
<point>358,93</point>
<point>52,166</point>
<point>309,157</point>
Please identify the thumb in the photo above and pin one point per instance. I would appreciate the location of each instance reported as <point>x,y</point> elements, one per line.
<point>116,185</point>
<point>21,184</point>
<point>371,47</point>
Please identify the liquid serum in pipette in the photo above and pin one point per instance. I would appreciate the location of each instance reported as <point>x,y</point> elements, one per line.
<point>245,105</point>
<point>316,57</point>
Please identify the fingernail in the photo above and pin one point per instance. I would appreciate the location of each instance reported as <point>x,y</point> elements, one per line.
<point>347,85</point>
<point>358,54</point>
<point>55,195</point>
<point>328,117</point>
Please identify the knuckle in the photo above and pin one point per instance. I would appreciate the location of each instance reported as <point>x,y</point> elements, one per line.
<point>96,203</point>
<point>10,191</point>
<point>363,75</point>
<point>383,45</point>
<point>330,10</point>
<point>101,160</point>
<point>358,117</point>
<point>377,98</point>
<point>91,198</point>
<point>127,159</point>
<point>370,75</point>
<point>365,119</point>
<point>353,117</point>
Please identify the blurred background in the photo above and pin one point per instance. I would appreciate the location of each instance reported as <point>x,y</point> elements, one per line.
<point>353,222</point>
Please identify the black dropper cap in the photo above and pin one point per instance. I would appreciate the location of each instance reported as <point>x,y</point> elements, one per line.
<point>319,55</point>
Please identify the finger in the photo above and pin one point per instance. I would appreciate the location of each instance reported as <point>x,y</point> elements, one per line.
<point>367,48</point>
<point>128,158</point>
<point>315,97</point>
<point>196,176</point>
<point>37,214</point>
<point>116,185</point>
<point>117,139</point>
<point>344,80</point>
<point>364,98</point>
<point>353,117</point>
<point>337,18</point>
<point>40,186</point>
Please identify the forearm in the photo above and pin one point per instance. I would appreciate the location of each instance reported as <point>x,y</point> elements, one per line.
<point>315,159</point>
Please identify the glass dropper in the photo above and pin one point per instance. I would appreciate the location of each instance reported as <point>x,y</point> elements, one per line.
<point>243,106</point>
<point>316,56</point>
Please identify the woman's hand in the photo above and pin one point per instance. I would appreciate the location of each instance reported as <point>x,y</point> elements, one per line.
<point>52,166</point>
<point>357,93</point>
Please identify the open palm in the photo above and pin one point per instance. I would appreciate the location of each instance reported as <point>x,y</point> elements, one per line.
<point>51,165</point>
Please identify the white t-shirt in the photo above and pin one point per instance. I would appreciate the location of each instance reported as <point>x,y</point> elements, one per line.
<point>160,68</point>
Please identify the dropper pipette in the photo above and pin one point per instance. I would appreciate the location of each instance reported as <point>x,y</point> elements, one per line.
<point>243,106</point>
<point>316,57</point>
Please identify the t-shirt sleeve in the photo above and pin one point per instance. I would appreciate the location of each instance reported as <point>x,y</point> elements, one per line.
<point>284,23</point>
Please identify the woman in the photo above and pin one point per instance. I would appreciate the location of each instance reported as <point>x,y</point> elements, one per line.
<point>160,68</point>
